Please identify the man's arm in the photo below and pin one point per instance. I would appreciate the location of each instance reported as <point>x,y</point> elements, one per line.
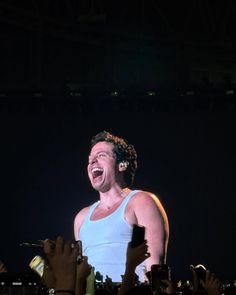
<point>79,219</point>
<point>150,213</point>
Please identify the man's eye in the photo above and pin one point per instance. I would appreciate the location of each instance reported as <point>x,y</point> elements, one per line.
<point>101,155</point>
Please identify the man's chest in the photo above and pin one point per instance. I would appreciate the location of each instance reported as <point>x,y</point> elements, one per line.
<point>128,213</point>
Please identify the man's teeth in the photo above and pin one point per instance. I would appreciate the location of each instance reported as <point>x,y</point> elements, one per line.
<point>97,169</point>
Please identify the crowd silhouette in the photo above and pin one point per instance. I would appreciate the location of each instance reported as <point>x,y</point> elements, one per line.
<point>62,271</point>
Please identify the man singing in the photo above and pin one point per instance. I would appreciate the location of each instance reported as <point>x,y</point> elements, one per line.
<point>105,227</point>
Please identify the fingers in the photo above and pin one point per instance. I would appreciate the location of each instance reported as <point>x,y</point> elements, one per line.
<point>85,259</point>
<point>48,247</point>
<point>211,282</point>
<point>210,277</point>
<point>59,249</point>
<point>147,254</point>
<point>60,246</point>
<point>136,255</point>
<point>144,248</point>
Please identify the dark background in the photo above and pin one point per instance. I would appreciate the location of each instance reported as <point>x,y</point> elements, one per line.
<point>161,75</point>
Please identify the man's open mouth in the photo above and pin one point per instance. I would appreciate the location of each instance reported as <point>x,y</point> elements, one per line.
<point>96,171</point>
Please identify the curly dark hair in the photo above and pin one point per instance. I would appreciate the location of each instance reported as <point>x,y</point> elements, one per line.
<point>124,152</point>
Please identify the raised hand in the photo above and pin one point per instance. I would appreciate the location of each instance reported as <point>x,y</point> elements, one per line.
<point>136,255</point>
<point>212,284</point>
<point>63,262</point>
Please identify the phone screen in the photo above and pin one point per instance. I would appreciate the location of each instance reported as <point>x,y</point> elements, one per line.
<point>37,264</point>
<point>137,235</point>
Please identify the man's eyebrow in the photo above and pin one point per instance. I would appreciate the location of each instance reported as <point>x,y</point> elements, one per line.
<point>98,153</point>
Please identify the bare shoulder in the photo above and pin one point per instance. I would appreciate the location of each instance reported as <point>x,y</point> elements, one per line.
<point>142,198</point>
<point>81,214</point>
<point>147,203</point>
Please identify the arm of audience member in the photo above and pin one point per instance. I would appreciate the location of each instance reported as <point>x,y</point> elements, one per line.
<point>82,274</point>
<point>211,284</point>
<point>2,267</point>
<point>134,257</point>
<point>151,214</point>
<point>63,261</point>
<point>48,278</point>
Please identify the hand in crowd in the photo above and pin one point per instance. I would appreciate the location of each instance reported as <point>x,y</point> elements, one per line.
<point>63,262</point>
<point>211,284</point>
<point>48,278</point>
<point>136,255</point>
<point>85,278</point>
<point>83,270</point>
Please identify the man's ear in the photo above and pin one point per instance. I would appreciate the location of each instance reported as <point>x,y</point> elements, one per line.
<point>123,166</point>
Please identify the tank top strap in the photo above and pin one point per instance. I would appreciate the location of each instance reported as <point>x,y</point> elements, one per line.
<point>91,209</point>
<point>125,202</point>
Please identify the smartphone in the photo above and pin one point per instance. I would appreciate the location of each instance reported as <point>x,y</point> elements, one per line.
<point>200,271</point>
<point>160,271</point>
<point>37,265</point>
<point>80,254</point>
<point>138,235</point>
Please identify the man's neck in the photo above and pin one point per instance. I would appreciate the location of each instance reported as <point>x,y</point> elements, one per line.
<point>113,196</point>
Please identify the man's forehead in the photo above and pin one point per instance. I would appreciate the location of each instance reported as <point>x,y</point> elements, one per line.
<point>102,146</point>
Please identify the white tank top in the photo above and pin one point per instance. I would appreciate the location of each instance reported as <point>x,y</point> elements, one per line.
<point>105,242</point>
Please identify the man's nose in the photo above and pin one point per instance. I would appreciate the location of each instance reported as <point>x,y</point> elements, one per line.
<point>94,160</point>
